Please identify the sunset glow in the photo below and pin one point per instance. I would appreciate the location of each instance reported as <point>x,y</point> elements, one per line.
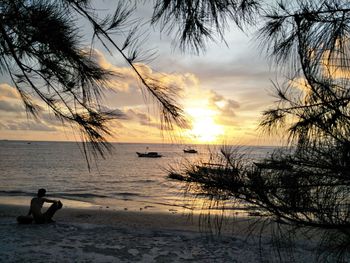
<point>222,92</point>
<point>204,129</point>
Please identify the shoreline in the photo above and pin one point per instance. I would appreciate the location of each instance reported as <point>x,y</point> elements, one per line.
<point>133,205</point>
<point>145,219</point>
<point>93,234</point>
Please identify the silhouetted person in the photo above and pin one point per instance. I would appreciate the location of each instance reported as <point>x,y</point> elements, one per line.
<point>36,205</point>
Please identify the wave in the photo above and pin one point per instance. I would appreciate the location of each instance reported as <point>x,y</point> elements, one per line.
<point>65,194</point>
<point>53,194</point>
<point>126,193</point>
<point>167,204</point>
<point>144,181</point>
<point>16,193</point>
<point>82,195</point>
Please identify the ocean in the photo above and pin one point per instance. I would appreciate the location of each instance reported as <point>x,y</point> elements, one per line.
<point>120,181</point>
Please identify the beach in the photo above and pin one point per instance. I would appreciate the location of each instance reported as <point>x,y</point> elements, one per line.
<point>100,234</point>
<point>125,210</point>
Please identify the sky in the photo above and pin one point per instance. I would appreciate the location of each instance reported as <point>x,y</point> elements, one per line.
<point>223,92</point>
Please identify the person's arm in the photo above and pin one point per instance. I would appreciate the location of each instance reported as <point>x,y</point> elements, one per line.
<point>49,200</point>
<point>30,208</point>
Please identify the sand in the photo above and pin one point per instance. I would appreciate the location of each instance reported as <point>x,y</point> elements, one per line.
<point>100,234</point>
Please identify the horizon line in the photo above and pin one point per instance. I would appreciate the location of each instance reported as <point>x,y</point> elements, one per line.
<point>166,143</point>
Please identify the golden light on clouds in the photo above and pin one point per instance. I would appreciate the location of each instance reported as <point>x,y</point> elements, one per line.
<point>204,129</point>
<point>215,117</point>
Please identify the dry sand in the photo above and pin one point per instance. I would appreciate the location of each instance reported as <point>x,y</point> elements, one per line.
<point>106,235</point>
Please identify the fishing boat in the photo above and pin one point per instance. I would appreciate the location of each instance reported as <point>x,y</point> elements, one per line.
<point>149,154</point>
<point>190,150</point>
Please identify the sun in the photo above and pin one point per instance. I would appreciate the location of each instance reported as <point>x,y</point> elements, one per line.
<point>204,129</point>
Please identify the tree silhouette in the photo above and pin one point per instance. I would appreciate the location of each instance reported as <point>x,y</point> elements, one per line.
<point>195,22</point>
<point>306,185</point>
<point>41,51</point>
<point>308,182</point>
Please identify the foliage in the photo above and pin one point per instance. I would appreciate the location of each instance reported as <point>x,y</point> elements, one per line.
<point>42,51</point>
<point>307,183</point>
<point>194,22</point>
<point>286,187</point>
<point>313,38</point>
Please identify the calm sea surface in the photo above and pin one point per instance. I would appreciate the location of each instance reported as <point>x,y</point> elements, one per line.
<point>122,180</point>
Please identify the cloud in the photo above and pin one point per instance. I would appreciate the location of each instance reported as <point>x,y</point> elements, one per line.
<point>117,113</point>
<point>7,91</point>
<point>50,122</point>
<point>10,106</point>
<point>125,79</point>
<point>185,85</point>
<point>122,79</point>
<point>144,119</point>
<point>10,101</point>
<point>224,110</point>
<point>225,107</point>
<point>27,126</point>
<point>114,124</point>
<point>14,118</point>
<point>125,99</point>
<point>135,114</point>
<point>223,67</point>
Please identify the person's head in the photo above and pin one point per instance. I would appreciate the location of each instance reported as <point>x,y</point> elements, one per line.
<point>41,192</point>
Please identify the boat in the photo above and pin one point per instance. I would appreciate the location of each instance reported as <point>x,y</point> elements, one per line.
<point>190,150</point>
<point>149,154</point>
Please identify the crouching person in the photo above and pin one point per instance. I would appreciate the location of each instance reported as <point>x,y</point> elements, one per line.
<point>35,209</point>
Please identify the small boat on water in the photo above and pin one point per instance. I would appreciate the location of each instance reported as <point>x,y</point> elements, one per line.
<point>149,154</point>
<point>190,150</point>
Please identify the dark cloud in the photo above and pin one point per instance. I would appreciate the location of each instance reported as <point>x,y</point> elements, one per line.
<point>10,106</point>
<point>226,107</point>
<point>229,109</point>
<point>8,91</point>
<point>50,118</point>
<point>140,116</point>
<point>114,124</point>
<point>27,126</point>
<point>117,113</point>
<point>247,66</point>
<point>145,119</point>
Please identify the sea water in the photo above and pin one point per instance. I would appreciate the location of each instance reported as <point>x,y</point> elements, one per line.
<point>121,181</point>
